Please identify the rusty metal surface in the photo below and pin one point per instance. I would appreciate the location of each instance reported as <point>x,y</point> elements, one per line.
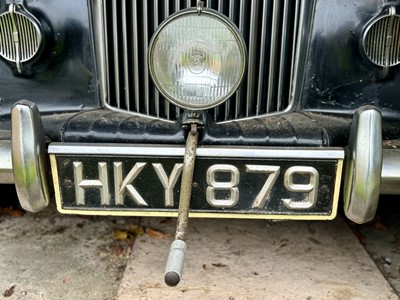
<point>186,185</point>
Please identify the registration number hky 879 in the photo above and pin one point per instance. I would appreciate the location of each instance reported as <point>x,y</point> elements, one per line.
<point>234,184</point>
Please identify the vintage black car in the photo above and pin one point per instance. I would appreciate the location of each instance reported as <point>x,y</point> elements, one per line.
<point>270,109</point>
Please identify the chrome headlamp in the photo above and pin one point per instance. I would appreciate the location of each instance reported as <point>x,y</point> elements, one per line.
<point>197,58</point>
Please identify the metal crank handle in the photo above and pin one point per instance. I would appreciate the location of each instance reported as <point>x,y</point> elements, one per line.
<point>176,257</point>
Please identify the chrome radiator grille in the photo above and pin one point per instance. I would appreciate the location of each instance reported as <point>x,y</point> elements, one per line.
<point>269,28</point>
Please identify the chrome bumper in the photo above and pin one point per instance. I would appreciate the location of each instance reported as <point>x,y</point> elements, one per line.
<point>370,169</point>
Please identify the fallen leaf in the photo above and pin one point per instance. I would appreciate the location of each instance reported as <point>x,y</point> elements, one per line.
<point>9,292</point>
<point>156,234</point>
<point>378,224</point>
<point>218,265</point>
<point>135,230</point>
<point>9,211</point>
<point>120,235</point>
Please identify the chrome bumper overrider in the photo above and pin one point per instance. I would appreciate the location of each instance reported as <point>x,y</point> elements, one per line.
<point>370,169</point>
<point>23,160</point>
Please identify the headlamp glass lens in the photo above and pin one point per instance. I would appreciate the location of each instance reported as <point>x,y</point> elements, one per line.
<point>197,61</point>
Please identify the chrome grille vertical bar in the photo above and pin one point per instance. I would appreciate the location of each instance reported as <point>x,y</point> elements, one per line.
<point>125,54</point>
<point>29,35</point>
<point>165,15</point>
<point>241,29</point>
<point>294,43</point>
<point>252,59</point>
<point>145,68</point>
<point>218,108</point>
<point>17,20</point>
<point>106,76</point>
<point>3,37</point>
<point>135,46</point>
<point>155,25</point>
<point>20,35</point>
<point>263,54</point>
<point>116,54</point>
<point>100,31</point>
<point>283,55</point>
<point>396,40</point>
<point>10,49</point>
<point>303,25</point>
<point>274,55</point>
<point>177,7</point>
<point>231,17</point>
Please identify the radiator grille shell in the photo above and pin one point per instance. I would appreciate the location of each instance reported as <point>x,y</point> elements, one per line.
<point>270,30</point>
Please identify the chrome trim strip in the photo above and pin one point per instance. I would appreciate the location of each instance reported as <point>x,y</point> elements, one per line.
<point>205,151</point>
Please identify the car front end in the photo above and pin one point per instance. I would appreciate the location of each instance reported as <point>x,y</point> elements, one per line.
<point>232,109</point>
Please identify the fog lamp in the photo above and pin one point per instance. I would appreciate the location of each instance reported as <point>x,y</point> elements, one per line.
<point>197,58</point>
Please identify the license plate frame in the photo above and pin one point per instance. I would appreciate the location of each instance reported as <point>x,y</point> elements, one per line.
<point>226,163</point>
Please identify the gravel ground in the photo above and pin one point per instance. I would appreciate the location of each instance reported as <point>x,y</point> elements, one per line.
<point>53,256</point>
<point>381,239</point>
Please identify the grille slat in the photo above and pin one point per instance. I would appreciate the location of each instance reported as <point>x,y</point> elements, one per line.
<point>284,54</point>
<point>135,50</point>
<point>156,93</point>
<point>117,91</point>
<point>252,59</point>
<point>268,28</point>
<point>125,54</point>
<point>273,56</point>
<point>145,43</point>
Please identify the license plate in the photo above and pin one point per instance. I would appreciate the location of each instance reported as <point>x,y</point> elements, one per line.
<point>230,182</point>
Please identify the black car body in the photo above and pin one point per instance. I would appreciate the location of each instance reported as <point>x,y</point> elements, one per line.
<point>322,77</point>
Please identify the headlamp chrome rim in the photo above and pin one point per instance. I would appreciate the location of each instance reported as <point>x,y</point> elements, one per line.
<point>229,25</point>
